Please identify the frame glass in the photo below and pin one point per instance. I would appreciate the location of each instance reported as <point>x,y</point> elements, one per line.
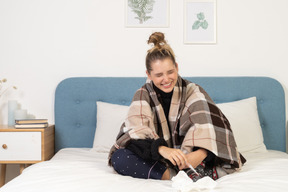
<point>147,13</point>
<point>200,22</point>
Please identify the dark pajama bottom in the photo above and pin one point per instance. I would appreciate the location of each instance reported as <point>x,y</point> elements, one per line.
<point>125,162</point>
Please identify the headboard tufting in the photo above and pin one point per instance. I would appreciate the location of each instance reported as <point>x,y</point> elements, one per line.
<point>75,104</point>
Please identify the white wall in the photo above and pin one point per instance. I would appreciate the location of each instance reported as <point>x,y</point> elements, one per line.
<point>45,41</point>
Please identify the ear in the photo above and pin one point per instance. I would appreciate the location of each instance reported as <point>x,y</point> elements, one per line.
<point>148,75</point>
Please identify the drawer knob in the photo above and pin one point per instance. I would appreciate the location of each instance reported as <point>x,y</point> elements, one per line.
<point>4,146</point>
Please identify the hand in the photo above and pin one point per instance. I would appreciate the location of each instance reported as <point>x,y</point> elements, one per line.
<point>175,156</point>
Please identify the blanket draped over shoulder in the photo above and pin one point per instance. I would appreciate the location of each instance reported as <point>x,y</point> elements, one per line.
<point>201,123</point>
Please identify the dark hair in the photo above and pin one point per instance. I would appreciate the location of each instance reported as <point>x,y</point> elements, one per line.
<point>161,50</point>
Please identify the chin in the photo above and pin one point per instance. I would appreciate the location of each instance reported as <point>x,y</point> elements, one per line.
<point>167,90</point>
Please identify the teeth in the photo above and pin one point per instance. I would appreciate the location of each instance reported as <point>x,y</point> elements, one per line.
<point>167,84</point>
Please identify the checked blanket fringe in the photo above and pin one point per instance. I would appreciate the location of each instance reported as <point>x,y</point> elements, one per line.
<point>194,119</point>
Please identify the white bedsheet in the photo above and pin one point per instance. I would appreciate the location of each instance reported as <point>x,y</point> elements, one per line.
<point>86,170</point>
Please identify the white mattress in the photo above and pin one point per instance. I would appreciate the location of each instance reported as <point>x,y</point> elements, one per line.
<point>84,170</point>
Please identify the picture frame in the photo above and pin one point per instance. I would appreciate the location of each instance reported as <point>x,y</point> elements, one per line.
<point>147,13</point>
<point>200,22</point>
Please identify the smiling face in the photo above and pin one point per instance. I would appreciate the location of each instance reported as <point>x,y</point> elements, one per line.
<point>164,74</point>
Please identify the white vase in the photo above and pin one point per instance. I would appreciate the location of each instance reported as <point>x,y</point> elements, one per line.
<point>12,106</point>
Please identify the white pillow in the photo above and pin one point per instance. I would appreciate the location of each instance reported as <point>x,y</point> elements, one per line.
<point>244,120</point>
<point>242,115</point>
<point>109,120</point>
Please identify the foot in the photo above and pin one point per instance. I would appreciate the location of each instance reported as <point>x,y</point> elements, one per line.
<point>202,171</point>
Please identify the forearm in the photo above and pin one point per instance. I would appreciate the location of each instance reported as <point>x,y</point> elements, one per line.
<point>196,157</point>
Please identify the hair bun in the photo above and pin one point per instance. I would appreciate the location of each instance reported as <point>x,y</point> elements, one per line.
<point>161,50</point>
<point>157,38</point>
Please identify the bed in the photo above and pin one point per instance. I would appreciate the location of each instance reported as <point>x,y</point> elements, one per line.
<point>254,105</point>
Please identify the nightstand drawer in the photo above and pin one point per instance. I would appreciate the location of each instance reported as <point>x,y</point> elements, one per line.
<point>15,146</point>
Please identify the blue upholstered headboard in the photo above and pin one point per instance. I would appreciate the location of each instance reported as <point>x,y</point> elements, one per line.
<point>75,104</point>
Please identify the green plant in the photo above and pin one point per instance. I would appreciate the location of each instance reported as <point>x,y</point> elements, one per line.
<point>201,22</point>
<point>2,82</point>
<point>141,8</point>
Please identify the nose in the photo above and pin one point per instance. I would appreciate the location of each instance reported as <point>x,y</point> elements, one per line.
<point>165,78</point>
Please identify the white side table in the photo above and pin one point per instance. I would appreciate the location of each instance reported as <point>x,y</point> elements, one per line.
<point>24,147</point>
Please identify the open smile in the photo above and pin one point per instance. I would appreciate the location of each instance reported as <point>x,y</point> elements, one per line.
<point>167,85</point>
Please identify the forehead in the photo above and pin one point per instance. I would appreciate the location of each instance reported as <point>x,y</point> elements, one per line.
<point>162,65</point>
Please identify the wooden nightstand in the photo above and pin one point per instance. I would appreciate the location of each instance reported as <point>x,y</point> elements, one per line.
<point>24,147</point>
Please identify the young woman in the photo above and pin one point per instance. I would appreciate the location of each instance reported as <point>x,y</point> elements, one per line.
<point>173,124</point>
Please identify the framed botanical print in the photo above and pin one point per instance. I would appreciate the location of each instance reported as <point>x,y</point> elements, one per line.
<point>147,13</point>
<point>200,21</point>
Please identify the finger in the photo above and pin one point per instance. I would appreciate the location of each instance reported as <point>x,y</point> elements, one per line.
<point>182,167</point>
<point>183,156</point>
<point>172,161</point>
<point>175,159</point>
<point>182,160</point>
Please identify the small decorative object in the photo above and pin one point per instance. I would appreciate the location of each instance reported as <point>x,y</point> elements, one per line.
<point>20,114</point>
<point>200,21</point>
<point>31,123</point>
<point>147,13</point>
<point>4,89</point>
<point>12,106</point>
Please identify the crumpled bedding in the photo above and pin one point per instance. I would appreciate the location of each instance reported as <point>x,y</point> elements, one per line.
<point>86,170</point>
<point>181,182</point>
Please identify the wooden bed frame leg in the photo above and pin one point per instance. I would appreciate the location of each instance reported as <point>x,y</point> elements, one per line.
<point>22,167</point>
<point>3,174</point>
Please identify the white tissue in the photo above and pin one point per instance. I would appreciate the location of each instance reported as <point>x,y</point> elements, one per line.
<point>181,182</point>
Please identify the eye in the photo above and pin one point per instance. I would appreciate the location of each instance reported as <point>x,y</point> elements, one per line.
<point>171,71</point>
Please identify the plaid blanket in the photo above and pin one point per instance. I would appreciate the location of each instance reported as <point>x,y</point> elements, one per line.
<point>201,123</point>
